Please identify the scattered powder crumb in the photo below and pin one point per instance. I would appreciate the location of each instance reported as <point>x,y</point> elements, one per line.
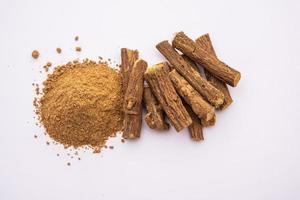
<point>58,50</point>
<point>69,164</point>
<point>78,49</point>
<point>37,90</point>
<point>35,102</point>
<point>35,136</point>
<point>71,157</point>
<point>35,54</point>
<point>76,38</point>
<point>79,158</point>
<point>105,146</point>
<point>97,150</point>
<point>48,143</point>
<point>111,147</point>
<point>47,66</point>
<point>122,140</point>
<point>57,154</point>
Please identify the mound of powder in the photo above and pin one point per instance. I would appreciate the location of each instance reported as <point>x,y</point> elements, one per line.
<point>82,104</point>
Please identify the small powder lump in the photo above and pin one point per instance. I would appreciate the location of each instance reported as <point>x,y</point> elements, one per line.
<point>58,50</point>
<point>78,49</point>
<point>81,104</point>
<point>35,54</point>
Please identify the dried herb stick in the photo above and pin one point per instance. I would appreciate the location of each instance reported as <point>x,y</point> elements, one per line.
<point>208,91</point>
<point>205,43</point>
<point>133,101</point>
<point>163,89</point>
<point>190,62</point>
<point>212,121</point>
<point>132,122</point>
<point>208,61</point>
<point>195,129</point>
<point>200,107</point>
<point>154,117</point>
<point>128,57</point>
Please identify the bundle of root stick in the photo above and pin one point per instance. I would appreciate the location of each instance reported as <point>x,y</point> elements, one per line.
<point>176,88</point>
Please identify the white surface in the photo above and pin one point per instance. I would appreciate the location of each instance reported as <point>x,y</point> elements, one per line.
<point>253,151</point>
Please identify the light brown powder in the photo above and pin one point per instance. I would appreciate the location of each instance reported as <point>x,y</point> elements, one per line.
<point>82,104</point>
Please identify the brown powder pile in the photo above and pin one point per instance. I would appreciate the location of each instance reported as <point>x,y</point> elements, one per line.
<point>82,104</point>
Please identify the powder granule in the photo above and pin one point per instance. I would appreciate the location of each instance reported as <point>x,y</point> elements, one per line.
<point>82,104</point>
<point>35,54</point>
<point>58,50</point>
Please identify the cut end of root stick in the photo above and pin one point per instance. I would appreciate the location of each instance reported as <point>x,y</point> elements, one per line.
<point>236,79</point>
<point>210,122</point>
<point>157,66</point>
<point>218,102</point>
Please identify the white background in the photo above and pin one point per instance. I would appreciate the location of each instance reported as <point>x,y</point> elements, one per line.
<point>253,152</point>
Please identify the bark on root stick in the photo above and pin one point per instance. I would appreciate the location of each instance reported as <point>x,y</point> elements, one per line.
<point>200,107</point>
<point>208,61</point>
<point>132,126</point>
<point>133,101</point>
<point>128,57</point>
<point>190,62</point>
<point>208,91</point>
<point>163,89</point>
<point>205,43</point>
<point>195,129</point>
<point>155,116</point>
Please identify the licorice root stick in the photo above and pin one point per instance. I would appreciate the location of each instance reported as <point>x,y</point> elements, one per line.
<point>205,42</point>
<point>133,101</point>
<point>219,69</point>
<point>195,129</point>
<point>208,91</point>
<point>163,89</point>
<point>200,107</point>
<point>128,57</point>
<point>155,116</point>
